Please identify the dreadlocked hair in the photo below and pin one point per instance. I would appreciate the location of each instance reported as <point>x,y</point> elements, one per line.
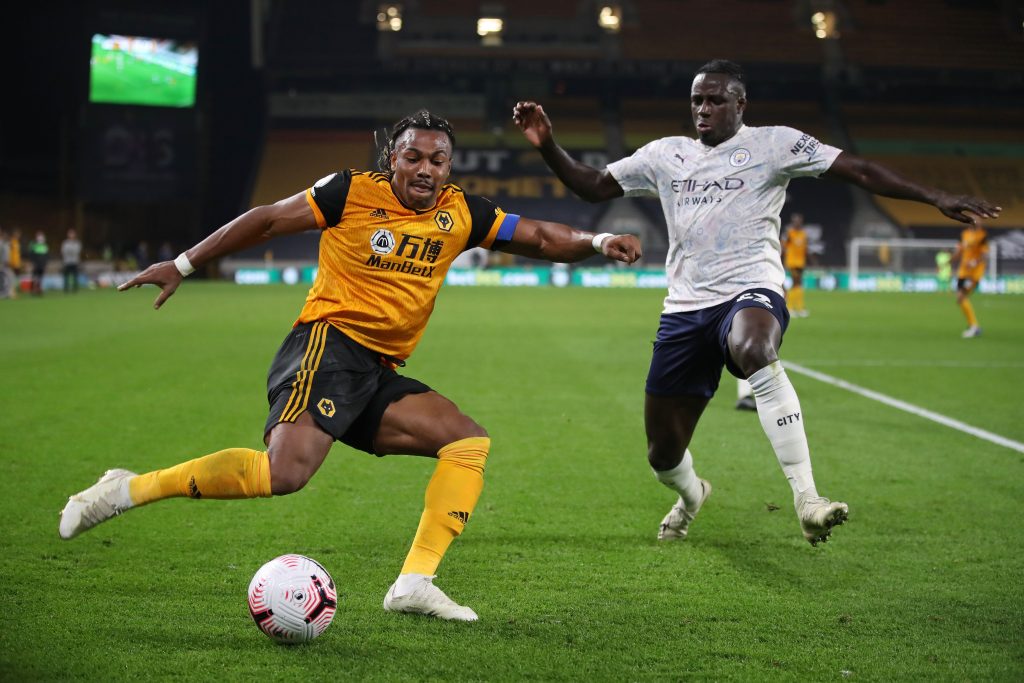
<point>421,120</point>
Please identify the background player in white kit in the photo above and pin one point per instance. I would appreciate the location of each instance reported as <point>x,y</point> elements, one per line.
<point>722,195</point>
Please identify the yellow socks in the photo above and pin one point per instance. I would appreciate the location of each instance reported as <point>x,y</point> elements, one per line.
<point>968,309</point>
<point>449,501</point>
<point>795,299</point>
<point>231,473</point>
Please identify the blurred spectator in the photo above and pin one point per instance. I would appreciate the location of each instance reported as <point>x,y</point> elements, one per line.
<point>14,260</point>
<point>142,260</point>
<point>71,255</point>
<point>6,274</point>
<point>39,253</point>
<point>165,252</point>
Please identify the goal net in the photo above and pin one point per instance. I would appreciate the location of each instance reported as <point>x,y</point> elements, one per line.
<point>921,259</point>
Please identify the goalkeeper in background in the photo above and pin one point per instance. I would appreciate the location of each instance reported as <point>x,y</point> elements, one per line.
<point>943,268</point>
<point>970,253</point>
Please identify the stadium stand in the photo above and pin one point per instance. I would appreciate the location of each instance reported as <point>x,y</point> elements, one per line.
<point>662,30</point>
<point>934,35</point>
<point>294,159</point>
<point>935,89</point>
<point>946,147</point>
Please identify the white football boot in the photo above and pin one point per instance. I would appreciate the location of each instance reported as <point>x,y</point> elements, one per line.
<point>973,331</point>
<point>426,598</point>
<point>105,499</point>
<point>818,515</point>
<point>676,524</point>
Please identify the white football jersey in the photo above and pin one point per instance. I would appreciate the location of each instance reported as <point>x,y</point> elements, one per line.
<point>722,207</point>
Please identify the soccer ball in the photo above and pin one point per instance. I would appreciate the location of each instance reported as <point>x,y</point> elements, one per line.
<point>292,599</point>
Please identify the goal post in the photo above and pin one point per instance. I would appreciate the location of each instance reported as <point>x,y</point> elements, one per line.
<point>910,256</point>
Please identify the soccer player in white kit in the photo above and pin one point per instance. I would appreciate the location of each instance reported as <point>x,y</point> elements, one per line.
<point>722,194</point>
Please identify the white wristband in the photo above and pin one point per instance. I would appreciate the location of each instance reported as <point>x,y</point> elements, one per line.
<point>183,265</point>
<point>599,240</point>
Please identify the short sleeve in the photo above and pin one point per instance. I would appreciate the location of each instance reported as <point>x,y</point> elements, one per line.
<point>635,174</point>
<point>800,154</point>
<point>327,197</point>
<point>491,228</point>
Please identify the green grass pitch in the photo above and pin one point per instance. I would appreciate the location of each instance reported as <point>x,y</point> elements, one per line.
<point>560,559</point>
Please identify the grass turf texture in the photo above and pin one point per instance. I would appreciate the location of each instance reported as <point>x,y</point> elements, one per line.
<point>560,559</point>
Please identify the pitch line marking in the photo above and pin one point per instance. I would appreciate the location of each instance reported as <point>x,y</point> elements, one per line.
<point>907,407</point>
<point>871,363</point>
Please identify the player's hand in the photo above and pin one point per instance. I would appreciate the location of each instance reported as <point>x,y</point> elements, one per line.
<point>164,275</point>
<point>958,207</point>
<point>625,248</point>
<point>534,123</point>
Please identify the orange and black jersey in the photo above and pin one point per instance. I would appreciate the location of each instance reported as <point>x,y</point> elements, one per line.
<point>794,247</point>
<point>381,264</point>
<point>973,249</point>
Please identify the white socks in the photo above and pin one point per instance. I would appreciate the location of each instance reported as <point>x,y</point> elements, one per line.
<point>683,480</point>
<point>782,420</point>
<point>743,389</point>
<point>407,583</point>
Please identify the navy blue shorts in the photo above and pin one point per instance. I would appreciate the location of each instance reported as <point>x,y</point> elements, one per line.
<point>692,347</point>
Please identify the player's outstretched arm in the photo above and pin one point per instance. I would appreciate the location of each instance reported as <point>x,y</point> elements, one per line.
<point>253,227</point>
<point>881,180</point>
<point>587,182</point>
<point>561,244</point>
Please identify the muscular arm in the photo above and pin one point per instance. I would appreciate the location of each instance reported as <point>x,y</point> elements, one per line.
<point>561,244</point>
<point>253,227</point>
<point>587,182</point>
<point>884,181</point>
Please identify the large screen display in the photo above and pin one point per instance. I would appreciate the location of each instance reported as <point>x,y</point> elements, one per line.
<point>143,71</point>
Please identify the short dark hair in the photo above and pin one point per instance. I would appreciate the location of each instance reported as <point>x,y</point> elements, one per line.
<point>421,120</point>
<point>737,80</point>
<point>723,66</point>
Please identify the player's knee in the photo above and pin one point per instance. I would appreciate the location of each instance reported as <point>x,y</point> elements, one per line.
<point>752,354</point>
<point>464,427</point>
<point>289,472</point>
<point>665,454</point>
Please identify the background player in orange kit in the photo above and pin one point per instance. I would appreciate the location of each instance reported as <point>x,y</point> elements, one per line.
<point>794,254</point>
<point>971,253</point>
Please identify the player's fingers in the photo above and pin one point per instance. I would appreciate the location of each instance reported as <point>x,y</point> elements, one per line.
<point>980,207</point>
<point>622,253</point>
<point>164,294</point>
<point>134,282</point>
<point>959,216</point>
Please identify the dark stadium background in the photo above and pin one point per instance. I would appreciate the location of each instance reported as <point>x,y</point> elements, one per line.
<point>288,91</point>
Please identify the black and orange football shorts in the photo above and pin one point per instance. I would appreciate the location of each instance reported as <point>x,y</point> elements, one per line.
<point>343,385</point>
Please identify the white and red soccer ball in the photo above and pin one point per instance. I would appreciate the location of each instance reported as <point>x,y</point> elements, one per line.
<point>292,599</point>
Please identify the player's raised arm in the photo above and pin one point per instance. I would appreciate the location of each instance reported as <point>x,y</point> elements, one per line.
<point>253,227</point>
<point>884,181</point>
<point>587,182</point>
<point>561,244</point>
